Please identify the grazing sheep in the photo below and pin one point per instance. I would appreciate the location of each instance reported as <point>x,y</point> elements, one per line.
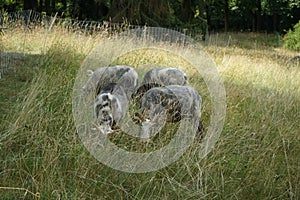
<point>124,75</point>
<point>169,104</point>
<point>161,77</point>
<point>113,87</point>
<point>165,76</point>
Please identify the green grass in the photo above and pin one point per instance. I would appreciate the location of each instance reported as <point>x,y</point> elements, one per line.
<point>244,40</point>
<point>256,157</point>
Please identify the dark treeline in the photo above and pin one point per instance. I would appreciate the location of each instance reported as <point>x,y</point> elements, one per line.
<point>211,15</point>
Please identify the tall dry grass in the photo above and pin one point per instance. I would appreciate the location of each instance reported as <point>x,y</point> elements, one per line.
<point>256,157</point>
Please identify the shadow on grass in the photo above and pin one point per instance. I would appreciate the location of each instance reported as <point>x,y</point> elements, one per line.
<point>17,71</point>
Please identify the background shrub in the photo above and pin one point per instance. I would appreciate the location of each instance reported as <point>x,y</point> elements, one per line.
<point>292,38</point>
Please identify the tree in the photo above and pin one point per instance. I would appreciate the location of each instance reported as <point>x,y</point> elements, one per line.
<point>53,6</point>
<point>64,4</point>
<point>41,6</point>
<point>258,15</point>
<point>214,12</point>
<point>186,10</point>
<point>212,15</point>
<point>47,7</point>
<point>226,15</point>
<point>30,4</point>
<point>101,9</point>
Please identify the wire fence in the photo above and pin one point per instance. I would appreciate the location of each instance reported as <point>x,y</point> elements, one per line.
<point>31,32</point>
<point>15,29</point>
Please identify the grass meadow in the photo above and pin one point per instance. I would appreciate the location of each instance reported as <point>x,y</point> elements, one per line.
<point>256,156</point>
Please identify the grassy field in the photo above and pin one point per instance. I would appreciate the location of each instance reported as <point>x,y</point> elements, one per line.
<point>256,157</point>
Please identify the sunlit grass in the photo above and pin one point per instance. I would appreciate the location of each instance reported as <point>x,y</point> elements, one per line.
<point>256,157</point>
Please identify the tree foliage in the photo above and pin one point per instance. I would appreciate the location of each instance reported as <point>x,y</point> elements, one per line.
<point>211,15</point>
<point>292,38</point>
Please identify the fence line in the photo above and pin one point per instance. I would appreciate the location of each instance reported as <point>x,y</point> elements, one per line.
<point>17,27</point>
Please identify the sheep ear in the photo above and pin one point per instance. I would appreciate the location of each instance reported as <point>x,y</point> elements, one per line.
<point>90,72</point>
<point>114,103</point>
<point>116,109</point>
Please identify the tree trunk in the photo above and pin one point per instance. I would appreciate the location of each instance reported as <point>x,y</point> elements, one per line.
<point>64,3</point>
<point>275,22</point>
<point>203,22</point>
<point>253,22</point>
<point>30,5</point>
<point>47,7</point>
<point>208,17</point>
<point>53,6</point>
<point>102,9</point>
<point>41,6</point>
<point>187,11</point>
<point>132,7</point>
<point>259,16</point>
<point>226,15</point>
<point>117,10</point>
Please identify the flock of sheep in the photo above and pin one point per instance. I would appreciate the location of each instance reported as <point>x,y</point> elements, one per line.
<point>164,95</point>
